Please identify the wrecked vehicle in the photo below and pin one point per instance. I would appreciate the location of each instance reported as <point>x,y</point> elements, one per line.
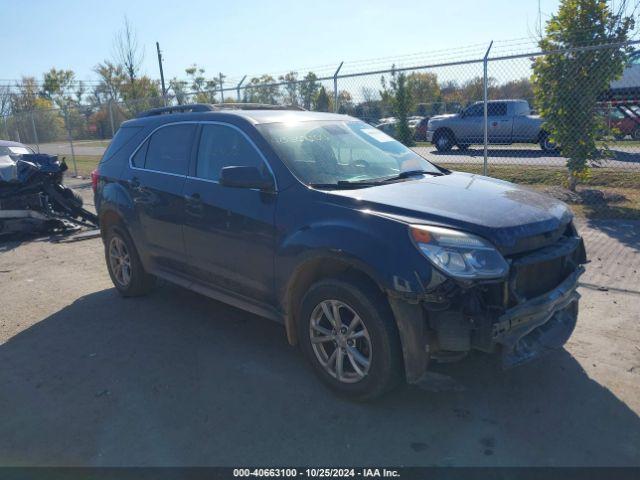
<point>33,199</point>
<point>376,261</point>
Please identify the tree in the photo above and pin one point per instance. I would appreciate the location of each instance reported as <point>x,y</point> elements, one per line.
<point>322,100</point>
<point>58,86</point>
<point>112,78</point>
<point>179,88</point>
<point>205,90</point>
<point>423,88</point>
<point>402,105</point>
<point>309,88</point>
<point>345,102</point>
<point>291,94</point>
<point>262,90</point>
<point>128,53</point>
<point>567,86</point>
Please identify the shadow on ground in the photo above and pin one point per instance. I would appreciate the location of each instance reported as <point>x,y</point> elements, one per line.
<point>626,232</point>
<point>175,378</point>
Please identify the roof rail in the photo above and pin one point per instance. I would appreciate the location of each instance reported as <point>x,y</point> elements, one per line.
<point>207,107</point>
<point>192,107</point>
<point>254,106</point>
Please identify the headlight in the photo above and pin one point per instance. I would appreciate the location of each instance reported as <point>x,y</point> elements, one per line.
<point>459,254</point>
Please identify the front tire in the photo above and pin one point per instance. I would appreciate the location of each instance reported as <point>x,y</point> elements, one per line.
<point>124,265</point>
<point>348,334</point>
<point>443,140</point>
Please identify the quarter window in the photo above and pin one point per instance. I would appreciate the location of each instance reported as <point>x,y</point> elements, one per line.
<point>169,149</point>
<point>222,146</point>
<point>139,157</point>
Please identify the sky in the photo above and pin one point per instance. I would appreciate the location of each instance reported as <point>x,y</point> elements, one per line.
<point>249,36</point>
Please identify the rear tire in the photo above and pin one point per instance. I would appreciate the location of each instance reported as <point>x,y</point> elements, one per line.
<point>443,140</point>
<point>371,361</point>
<point>546,144</point>
<point>124,265</point>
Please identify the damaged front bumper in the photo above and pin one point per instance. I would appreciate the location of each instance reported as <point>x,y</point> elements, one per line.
<point>520,329</point>
<point>543,323</point>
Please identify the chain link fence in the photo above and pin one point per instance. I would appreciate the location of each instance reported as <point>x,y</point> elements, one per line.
<point>477,115</point>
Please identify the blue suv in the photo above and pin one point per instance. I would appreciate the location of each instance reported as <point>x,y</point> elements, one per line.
<point>376,261</point>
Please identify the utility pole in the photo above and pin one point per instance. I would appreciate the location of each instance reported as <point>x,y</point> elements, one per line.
<point>221,89</point>
<point>164,90</point>
<point>238,88</point>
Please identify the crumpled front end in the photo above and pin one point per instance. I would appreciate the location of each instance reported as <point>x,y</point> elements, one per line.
<point>530,312</point>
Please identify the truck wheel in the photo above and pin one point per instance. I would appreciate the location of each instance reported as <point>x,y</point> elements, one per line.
<point>124,265</point>
<point>348,334</point>
<point>636,133</point>
<point>546,144</point>
<point>443,141</point>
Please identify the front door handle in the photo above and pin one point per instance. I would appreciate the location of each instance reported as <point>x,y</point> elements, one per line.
<point>194,206</point>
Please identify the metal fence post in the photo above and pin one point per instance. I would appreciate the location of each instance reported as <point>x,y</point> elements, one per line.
<point>221,88</point>
<point>73,153</point>
<point>238,88</point>
<point>335,88</point>
<point>6,126</point>
<point>35,132</point>
<point>113,129</point>
<point>485,62</point>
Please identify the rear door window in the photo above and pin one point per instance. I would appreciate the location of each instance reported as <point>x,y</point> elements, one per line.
<point>498,109</point>
<point>169,148</point>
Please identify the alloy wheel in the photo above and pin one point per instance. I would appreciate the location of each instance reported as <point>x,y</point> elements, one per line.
<point>340,341</point>
<point>120,261</point>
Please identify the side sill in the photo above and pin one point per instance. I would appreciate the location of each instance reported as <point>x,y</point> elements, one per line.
<point>230,298</point>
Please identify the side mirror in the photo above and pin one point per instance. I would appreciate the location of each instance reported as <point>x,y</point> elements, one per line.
<point>245,177</point>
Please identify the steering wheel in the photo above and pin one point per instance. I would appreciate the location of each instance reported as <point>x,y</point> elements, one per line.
<point>360,163</point>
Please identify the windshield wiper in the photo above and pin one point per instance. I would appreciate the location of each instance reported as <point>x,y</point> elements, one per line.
<point>372,182</point>
<point>345,184</point>
<point>407,174</point>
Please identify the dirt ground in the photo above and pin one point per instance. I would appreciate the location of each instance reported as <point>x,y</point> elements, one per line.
<point>90,378</point>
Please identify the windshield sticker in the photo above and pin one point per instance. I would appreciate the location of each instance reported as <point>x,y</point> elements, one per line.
<point>377,135</point>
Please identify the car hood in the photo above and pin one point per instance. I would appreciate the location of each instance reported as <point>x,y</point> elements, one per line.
<point>437,118</point>
<point>502,212</point>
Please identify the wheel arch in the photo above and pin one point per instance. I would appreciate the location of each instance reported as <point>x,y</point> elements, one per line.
<point>444,131</point>
<point>316,268</point>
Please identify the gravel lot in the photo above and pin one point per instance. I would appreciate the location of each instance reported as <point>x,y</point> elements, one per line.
<point>90,378</point>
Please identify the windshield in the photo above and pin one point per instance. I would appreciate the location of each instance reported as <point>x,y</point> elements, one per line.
<point>14,150</point>
<point>328,152</point>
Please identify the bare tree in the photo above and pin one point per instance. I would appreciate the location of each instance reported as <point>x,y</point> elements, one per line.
<point>128,53</point>
<point>5,99</point>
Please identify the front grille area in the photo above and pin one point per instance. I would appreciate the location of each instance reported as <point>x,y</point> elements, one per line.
<point>538,278</point>
<point>543,270</point>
